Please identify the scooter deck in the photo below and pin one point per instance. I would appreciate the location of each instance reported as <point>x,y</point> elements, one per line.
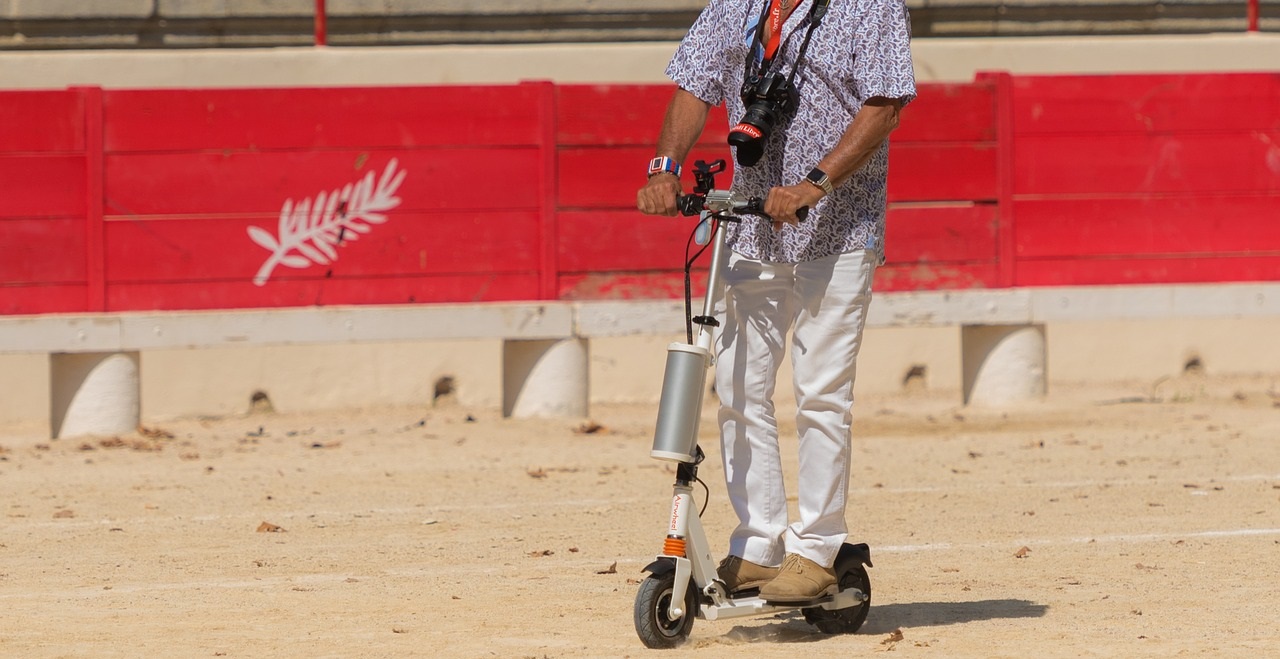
<point>749,603</point>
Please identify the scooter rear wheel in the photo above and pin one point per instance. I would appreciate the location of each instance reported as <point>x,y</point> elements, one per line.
<point>851,574</point>
<point>652,612</point>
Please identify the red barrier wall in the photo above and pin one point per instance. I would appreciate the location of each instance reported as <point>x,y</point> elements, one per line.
<point>194,199</point>
<point>1146,179</point>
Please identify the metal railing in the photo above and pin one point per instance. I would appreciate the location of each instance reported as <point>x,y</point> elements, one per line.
<point>44,26</point>
<point>1253,11</point>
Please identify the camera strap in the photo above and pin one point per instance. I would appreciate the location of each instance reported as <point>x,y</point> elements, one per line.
<point>775,30</point>
<point>773,12</point>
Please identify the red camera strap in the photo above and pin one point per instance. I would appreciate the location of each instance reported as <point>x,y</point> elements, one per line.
<point>776,20</point>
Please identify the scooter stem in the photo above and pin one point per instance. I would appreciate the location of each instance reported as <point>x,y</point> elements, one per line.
<point>719,258</point>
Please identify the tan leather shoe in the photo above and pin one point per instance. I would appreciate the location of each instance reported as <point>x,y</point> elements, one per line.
<point>799,580</point>
<point>741,574</point>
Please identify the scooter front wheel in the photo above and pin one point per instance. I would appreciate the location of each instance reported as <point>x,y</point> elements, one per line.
<point>652,612</point>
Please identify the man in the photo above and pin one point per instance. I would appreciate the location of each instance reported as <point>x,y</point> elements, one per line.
<point>809,279</point>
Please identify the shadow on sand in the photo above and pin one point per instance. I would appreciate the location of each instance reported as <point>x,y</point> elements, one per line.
<point>790,627</point>
<point>888,617</point>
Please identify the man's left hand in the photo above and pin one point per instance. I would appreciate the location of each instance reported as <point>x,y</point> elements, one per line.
<point>784,200</point>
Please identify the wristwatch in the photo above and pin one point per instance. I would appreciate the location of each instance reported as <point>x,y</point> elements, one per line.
<point>819,178</point>
<point>663,164</point>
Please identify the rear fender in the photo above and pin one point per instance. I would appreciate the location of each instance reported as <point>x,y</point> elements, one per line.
<point>860,552</point>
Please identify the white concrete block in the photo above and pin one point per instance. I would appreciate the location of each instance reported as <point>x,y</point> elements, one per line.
<point>628,369</point>
<point>60,333</point>
<point>317,377</point>
<point>1003,364</point>
<point>941,308</point>
<point>602,319</point>
<point>1089,303</point>
<point>1098,302</point>
<point>352,324</point>
<point>545,378</point>
<point>889,354</point>
<point>94,394</point>
<point>24,389</point>
<point>1226,301</point>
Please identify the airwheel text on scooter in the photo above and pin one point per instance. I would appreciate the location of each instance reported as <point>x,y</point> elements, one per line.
<point>682,582</point>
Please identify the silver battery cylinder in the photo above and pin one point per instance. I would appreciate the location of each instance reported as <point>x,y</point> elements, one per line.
<point>676,435</point>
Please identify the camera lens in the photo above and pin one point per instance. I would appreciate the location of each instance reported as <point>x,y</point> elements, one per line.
<point>750,135</point>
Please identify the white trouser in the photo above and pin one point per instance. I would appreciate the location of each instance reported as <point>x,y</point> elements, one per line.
<point>823,304</point>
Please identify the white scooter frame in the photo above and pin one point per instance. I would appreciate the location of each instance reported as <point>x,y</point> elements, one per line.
<point>682,582</point>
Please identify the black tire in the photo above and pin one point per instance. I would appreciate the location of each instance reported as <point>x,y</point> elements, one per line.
<point>852,574</point>
<point>653,624</point>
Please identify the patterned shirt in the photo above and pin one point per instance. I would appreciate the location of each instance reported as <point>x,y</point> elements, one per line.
<point>861,49</point>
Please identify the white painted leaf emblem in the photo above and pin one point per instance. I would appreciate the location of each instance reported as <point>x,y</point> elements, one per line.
<point>311,230</point>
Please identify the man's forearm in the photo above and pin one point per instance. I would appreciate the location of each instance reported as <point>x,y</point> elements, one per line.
<point>868,130</point>
<point>686,115</point>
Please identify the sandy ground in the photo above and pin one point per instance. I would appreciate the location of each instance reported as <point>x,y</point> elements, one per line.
<point>1125,522</point>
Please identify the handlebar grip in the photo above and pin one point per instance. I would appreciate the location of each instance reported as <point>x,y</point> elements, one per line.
<point>690,204</point>
<point>755,206</point>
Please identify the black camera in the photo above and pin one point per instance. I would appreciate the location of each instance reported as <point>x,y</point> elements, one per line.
<point>770,100</point>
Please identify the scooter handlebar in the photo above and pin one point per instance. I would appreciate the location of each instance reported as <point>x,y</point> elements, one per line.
<point>728,202</point>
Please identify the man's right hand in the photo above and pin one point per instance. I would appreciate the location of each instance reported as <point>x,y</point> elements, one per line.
<point>658,196</point>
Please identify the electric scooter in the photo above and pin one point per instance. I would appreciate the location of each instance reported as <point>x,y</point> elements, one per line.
<point>682,583</point>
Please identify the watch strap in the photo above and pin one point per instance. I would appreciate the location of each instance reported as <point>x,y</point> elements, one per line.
<point>662,165</point>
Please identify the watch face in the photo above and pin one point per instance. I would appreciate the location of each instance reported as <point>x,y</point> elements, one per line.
<point>820,179</point>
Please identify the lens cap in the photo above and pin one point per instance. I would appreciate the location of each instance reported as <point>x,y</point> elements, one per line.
<point>748,148</point>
